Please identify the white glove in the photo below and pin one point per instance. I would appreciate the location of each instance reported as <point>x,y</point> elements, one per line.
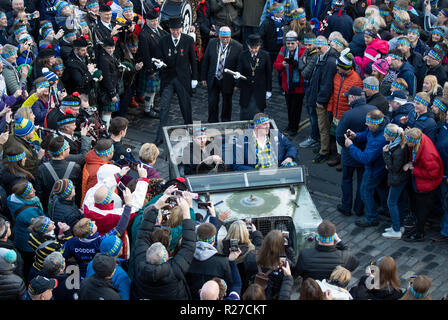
<point>158,65</point>
<point>194,83</point>
<point>237,75</point>
<point>268,95</point>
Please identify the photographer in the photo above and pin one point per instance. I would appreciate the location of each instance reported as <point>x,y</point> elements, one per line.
<point>158,276</point>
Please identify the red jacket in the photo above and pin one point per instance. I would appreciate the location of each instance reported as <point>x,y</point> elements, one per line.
<point>278,65</point>
<point>373,52</point>
<point>428,166</point>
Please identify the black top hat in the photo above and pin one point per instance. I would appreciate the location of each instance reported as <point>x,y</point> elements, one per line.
<point>80,43</point>
<point>108,42</point>
<point>105,8</point>
<point>254,40</point>
<point>151,14</point>
<point>175,22</point>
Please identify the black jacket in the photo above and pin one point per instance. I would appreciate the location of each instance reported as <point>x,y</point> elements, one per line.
<point>182,61</point>
<point>321,82</point>
<point>76,76</point>
<point>419,64</point>
<point>12,286</point>
<point>343,24</point>
<point>257,84</point>
<point>96,288</point>
<point>66,211</point>
<point>65,49</point>
<point>61,292</point>
<point>19,261</point>
<point>7,179</point>
<point>395,159</point>
<point>268,36</point>
<point>320,261</point>
<point>44,181</point>
<point>379,101</point>
<point>439,72</point>
<point>110,87</point>
<point>210,61</point>
<point>148,47</point>
<point>360,292</point>
<point>201,271</point>
<point>167,280</point>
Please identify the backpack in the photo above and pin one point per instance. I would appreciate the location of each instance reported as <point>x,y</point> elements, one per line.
<point>53,173</point>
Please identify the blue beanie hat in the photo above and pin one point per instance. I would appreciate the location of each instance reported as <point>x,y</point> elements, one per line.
<point>111,246</point>
<point>23,127</point>
<point>51,76</point>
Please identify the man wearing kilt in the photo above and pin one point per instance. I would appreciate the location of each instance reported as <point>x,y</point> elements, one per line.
<point>149,48</point>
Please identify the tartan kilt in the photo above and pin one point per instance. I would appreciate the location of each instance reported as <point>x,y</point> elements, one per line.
<point>153,84</point>
<point>109,107</point>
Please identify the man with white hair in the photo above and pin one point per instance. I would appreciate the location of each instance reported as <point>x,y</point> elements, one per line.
<point>221,53</point>
<point>398,106</point>
<point>373,95</point>
<point>156,275</point>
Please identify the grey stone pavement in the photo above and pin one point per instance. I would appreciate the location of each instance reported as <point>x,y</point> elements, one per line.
<point>366,244</point>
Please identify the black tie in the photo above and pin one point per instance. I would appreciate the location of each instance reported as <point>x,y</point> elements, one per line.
<point>175,42</point>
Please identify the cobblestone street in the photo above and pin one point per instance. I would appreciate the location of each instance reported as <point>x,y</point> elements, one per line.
<point>367,244</point>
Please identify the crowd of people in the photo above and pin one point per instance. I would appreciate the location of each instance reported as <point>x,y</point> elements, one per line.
<point>82,219</point>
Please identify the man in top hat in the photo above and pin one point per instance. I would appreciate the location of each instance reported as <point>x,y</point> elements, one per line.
<point>105,27</point>
<point>221,53</point>
<point>255,65</point>
<point>180,74</point>
<point>77,75</point>
<point>149,47</point>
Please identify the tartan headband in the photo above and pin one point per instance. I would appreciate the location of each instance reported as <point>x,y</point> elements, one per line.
<point>415,31</point>
<point>106,152</point>
<point>225,33</point>
<point>339,43</point>
<point>125,9</point>
<point>108,198</point>
<point>43,84</point>
<point>27,191</point>
<point>358,30</point>
<point>92,4</point>
<point>421,100</point>
<point>18,30</point>
<point>67,191</point>
<point>45,225</point>
<point>438,31</point>
<point>276,10</point>
<point>395,56</point>
<point>440,105</point>
<point>299,16</point>
<point>434,55</point>
<point>82,23</point>
<point>58,66</point>
<point>70,103</point>
<point>47,32</point>
<point>164,256</point>
<point>309,40</point>
<point>261,121</point>
<point>70,34</point>
<point>91,226</point>
<point>6,55</point>
<point>320,42</point>
<point>371,87</point>
<point>393,27</point>
<point>65,121</point>
<point>2,14</point>
<point>439,48</point>
<point>17,157</point>
<point>325,239</point>
<point>25,38</point>
<point>413,140</point>
<point>374,121</point>
<point>47,25</point>
<point>404,42</point>
<point>209,240</point>
<point>398,86</point>
<point>390,133</point>
<point>384,13</point>
<point>418,295</point>
<point>399,8</point>
<point>64,147</point>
